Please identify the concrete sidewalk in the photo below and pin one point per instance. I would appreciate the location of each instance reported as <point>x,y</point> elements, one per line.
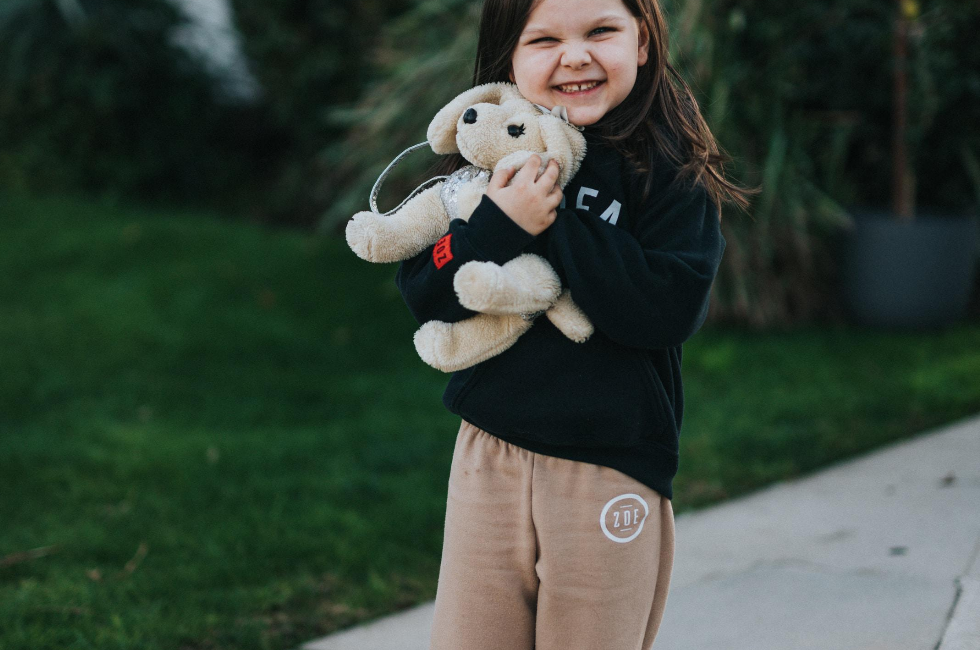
<point>879,552</point>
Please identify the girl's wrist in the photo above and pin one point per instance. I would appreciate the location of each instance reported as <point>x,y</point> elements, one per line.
<point>494,234</point>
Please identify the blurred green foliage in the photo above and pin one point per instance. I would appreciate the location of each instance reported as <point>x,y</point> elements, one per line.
<point>826,69</point>
<point>801,93</point>
<point>424,59</point>
<point>95,98</point>
<point>309,56</point>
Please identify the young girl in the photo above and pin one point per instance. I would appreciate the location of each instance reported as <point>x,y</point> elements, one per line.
<point>559,531</point>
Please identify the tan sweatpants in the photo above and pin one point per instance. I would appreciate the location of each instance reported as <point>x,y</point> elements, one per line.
<point>546,553</point>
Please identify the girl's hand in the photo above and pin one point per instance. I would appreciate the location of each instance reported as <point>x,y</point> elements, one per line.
<point>530,203</point>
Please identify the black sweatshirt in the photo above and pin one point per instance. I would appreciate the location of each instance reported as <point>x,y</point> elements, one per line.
<point>642,273</point>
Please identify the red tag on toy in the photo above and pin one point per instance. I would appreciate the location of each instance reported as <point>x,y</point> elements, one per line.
<point>442,253</point>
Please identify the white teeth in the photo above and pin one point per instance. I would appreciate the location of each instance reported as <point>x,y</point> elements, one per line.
<point>574,88</point>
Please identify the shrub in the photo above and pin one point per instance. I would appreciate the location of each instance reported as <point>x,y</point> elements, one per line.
<point>100,101</point>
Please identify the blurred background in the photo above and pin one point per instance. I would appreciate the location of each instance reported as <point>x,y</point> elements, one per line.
<point>214,429</point>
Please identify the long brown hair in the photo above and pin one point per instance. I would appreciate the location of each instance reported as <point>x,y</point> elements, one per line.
<point>659,115</point>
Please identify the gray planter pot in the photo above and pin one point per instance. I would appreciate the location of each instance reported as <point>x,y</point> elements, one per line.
<point>908,275</point>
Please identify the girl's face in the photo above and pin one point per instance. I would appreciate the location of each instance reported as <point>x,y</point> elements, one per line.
<point>598,44</point>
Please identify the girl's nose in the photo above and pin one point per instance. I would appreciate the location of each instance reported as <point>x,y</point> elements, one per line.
<point>576,55</point>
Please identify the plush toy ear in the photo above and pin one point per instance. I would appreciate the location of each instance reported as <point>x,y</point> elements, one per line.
<point>442,130</point>
<point>565,143</point>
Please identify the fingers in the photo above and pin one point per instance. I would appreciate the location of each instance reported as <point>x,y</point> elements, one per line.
<point>552,183</point>
<point>554,199</point>
<point>529,171</point>
<point>500,178</point>
<point>550,175</point>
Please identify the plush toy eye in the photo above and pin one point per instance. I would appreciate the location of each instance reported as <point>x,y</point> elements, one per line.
<point>516,130</point>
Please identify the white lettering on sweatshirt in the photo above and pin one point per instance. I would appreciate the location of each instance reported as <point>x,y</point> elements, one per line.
<point>611,214</point>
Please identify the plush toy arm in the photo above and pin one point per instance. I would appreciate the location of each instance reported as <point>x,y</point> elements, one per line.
<point>426,280</point>
<point>398,236</point>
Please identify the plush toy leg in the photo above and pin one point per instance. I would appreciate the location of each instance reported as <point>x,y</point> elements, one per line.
<point>526,283</point>
<point>570,319</point>
<point>400,235</point>
<point>453,346</point>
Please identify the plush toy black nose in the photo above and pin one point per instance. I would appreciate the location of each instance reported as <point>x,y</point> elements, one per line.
<point>469,116</point>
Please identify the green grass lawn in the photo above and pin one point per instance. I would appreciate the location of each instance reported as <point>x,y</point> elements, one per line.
<point>214,435</point>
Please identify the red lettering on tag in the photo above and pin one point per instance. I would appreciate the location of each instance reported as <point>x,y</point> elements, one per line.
<point>442,253</point>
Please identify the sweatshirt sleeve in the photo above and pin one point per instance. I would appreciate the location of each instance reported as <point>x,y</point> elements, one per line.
<point>426,280</point>
<point>650,290</point>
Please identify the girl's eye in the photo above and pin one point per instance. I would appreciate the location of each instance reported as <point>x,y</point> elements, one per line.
<point>597,30</point>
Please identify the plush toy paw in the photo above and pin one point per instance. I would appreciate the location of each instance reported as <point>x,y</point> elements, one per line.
<point>570,319</point>
<point>526,283</point>
<point>361,230</point>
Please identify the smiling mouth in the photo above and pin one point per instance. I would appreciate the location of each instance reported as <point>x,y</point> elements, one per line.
<point>578,89</point>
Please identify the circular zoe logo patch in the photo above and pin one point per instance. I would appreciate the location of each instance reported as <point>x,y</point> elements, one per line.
<point>623,516</point>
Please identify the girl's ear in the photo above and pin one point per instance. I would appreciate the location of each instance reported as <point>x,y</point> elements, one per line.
<point>442,130</point>
<point>643,51</point>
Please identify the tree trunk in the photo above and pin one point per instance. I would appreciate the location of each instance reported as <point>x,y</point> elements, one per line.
<point>902,180</point>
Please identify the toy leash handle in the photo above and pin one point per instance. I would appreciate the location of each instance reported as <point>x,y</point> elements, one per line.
<point>377,184</point>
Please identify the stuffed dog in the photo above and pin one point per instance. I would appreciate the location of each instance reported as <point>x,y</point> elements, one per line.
<point>494,127</point>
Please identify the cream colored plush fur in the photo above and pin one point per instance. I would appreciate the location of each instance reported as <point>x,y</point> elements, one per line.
<point>525,284</point>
